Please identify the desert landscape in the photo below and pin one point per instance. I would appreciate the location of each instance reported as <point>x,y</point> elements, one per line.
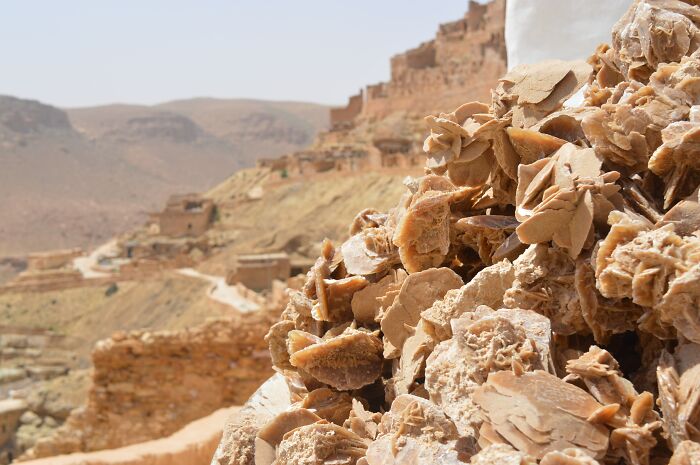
<point>468,263</point>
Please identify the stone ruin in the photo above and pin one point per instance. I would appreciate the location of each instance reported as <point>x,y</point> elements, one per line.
<point>534,298</point>
<point>462,61</point>
<point>47,271</point>
<point>187,215</point>
<point>259,271</point>
<point>147,385</point>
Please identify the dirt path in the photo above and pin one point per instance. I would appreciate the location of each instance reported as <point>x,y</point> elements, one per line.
<point>192,445</point>
<point>86,263</point>
<point>222,292</point>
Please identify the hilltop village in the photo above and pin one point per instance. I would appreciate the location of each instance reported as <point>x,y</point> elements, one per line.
<point>179,291</point>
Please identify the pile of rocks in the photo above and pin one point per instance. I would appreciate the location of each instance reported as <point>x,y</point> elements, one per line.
<point>533,298</point>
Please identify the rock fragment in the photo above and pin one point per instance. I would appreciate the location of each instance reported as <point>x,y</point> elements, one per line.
<point>349,361</point>
<point>483,342</point>
<point>538,413</point>
<point>320,444</point>
<point>417,293</point>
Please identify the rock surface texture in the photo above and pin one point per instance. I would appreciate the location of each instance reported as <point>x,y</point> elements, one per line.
<point>536,295</point>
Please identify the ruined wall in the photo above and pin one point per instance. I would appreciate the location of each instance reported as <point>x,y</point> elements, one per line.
<point>349,112</point>
<point>462,63</point>
<point>258,272</point>
<point>51,260</point>
<point>182,224</point>
<point>148,385</point>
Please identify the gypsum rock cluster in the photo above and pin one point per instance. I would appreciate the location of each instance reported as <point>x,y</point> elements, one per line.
<point>535,297</point>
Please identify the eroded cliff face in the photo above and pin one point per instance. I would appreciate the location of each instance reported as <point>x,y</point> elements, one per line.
<point>461,64</point>
<point>217,364</point>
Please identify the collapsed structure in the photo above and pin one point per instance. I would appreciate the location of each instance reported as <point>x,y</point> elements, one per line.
<point>534,298</point>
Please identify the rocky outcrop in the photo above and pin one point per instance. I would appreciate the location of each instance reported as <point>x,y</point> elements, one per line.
<point>219,363</point>
<point>29,116</point>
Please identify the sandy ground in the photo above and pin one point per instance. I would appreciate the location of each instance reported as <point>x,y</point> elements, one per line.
<point>192,445</point>
<point>222,292</point>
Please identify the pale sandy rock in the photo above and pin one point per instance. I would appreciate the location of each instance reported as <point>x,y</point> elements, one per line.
<point>417,293</point>
<point>535,91</point>
<point>605,71</point>
<point>687,453</point>
<point>685,215</point>
<point>335,303</point>
<point>411,365</point>
<point>276,338</point>
<point>320,444</point>
<point>320,271</point>
<point>422,232</point>
<point>485,234</point>
<point>459,325</point>
<point>563,198</point>
<point>369,303</point>
<point>451,133</point>
<point>544,279</point>
<point>630,413</point>
<point>677,160</point>
<point>538,413</point>
<point>349,361</point>
<point>366,219</point>
<point>654,32</point>
<point>678,378</point>
<point>363,423</point>
<point>472,148</point>
<point>565,124</point>
<point>369,251</point>
<point>531,145</point>
<point>501,454</point>
<point>671,291</point>
<point>483,342</point>
<point>330,405</point>
<point>605,317</point>
<point>275,429</point>
<point>237,446</point>
<point>486,288</point>
<point>627,129</point>
<point>299,310</point>
<point>572,456</point>
<point>414,431</point>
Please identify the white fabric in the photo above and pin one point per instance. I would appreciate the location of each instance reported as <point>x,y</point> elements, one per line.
<point>538,30</point>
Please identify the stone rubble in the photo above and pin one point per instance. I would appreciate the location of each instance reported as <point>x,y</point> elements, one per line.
<point>534,298</point>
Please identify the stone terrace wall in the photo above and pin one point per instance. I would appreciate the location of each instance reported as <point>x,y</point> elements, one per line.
<point>148,385</point>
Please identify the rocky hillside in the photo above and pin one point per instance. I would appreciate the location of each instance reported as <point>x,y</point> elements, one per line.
<point>77,177</point>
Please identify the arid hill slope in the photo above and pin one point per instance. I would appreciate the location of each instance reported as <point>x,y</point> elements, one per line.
<point>295,216</point>
<point>77,177</point>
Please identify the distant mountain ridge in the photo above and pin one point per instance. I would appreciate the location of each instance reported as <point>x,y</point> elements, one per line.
<point>78,176</point>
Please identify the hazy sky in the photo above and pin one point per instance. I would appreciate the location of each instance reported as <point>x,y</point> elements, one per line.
<point>87,52</point>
